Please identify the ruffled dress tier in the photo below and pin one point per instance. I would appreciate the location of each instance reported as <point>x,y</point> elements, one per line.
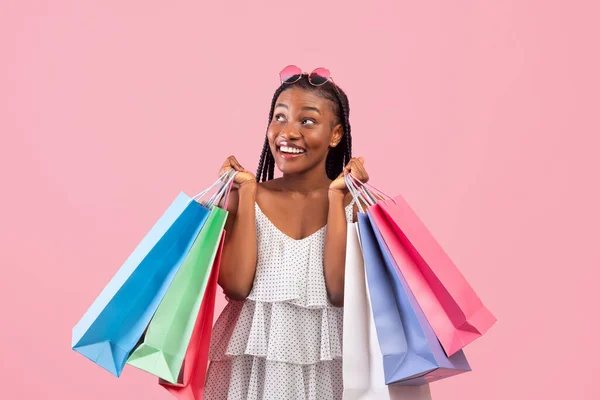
<point>285,340</point>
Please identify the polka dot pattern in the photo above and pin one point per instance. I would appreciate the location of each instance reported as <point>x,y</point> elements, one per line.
<point>285,340</point>
<point>254,378</point>
<point>278,332</point>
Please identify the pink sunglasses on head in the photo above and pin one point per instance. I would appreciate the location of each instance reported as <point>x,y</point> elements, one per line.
<point>318,77</point>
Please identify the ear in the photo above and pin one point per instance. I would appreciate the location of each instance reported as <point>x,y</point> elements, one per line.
<point>336,136</point>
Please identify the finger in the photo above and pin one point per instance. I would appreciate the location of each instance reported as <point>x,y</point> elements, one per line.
<point>360,173</point>
<point>231,160</point>
<point>353,166</point>
<point>223,171</point>
<point>226,167</point>
<point>228,163</point>
<point>361,160</point>
<point>348,169</point>
<point>240,167</point>
<point>360,167</point>
<point>364,174</point>
<point>237,166</point>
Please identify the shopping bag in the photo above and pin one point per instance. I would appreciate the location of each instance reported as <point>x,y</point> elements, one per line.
<point>363,372</point>
<point>190,383</point>
<point>412,355</point>
<point>113,325</point>
<point>356,351</point>
<point>451,306</point>
<point>166,341</point>
<point>379,390</point>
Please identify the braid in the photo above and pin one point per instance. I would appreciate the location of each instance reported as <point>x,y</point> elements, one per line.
<point>261,163</point>
<point>266,165</point>
<point>329,167</point>
<point>338,156</point>
<point>271,174</point>
<point>346,121</point>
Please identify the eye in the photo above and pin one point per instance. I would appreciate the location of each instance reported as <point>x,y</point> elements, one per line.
<point>308,121</point>
<point>279,118</point>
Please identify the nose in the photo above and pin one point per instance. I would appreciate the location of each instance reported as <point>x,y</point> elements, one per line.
<point>289,132</point>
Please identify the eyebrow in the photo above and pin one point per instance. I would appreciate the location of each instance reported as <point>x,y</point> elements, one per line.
<point>312,109</point>
<point>307,108</point>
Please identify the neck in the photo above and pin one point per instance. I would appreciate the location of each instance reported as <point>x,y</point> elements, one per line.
<point>306,182</point>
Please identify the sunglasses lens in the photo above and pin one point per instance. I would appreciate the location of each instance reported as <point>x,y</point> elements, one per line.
<point>290,74</point>
<point>319,76</point>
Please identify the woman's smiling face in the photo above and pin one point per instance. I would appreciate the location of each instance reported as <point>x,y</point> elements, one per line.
<point>302,130</point>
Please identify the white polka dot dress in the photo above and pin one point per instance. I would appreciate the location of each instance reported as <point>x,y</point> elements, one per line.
<point>285,340</point>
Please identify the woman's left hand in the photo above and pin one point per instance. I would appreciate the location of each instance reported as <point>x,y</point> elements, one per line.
<point>356,167</point>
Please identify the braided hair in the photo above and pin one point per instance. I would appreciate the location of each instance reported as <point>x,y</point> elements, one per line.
<point>338,156</point>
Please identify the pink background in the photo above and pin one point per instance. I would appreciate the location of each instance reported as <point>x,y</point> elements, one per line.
<point>483,114</point>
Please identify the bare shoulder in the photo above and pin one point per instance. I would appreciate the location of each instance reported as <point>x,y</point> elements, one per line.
<point>271,186</point>
<point>267,191</point>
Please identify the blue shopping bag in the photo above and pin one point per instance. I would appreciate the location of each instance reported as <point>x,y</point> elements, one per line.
<point>412,354</point>
<point>115,322</point>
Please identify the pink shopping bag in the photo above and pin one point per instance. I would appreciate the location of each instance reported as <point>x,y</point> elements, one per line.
<point>450,304</point>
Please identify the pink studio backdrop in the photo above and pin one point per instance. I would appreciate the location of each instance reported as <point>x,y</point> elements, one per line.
<point>483,114</point>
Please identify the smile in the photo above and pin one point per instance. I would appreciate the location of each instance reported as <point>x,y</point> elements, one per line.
<point>291,150</point>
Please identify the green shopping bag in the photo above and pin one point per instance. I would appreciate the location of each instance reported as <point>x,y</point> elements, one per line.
<point>166,341</point>
<point>164,346</point>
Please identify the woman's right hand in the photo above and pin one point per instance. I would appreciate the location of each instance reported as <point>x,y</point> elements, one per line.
<point>242,175</point>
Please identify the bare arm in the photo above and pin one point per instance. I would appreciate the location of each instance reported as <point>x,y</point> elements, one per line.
<point>238,261</point>
<point>335,248</point>
<point>334,262</point>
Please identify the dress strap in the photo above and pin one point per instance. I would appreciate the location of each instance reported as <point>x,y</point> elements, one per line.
<point>350,212</point>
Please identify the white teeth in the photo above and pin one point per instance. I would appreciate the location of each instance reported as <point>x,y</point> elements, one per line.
<point>292,150</point>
